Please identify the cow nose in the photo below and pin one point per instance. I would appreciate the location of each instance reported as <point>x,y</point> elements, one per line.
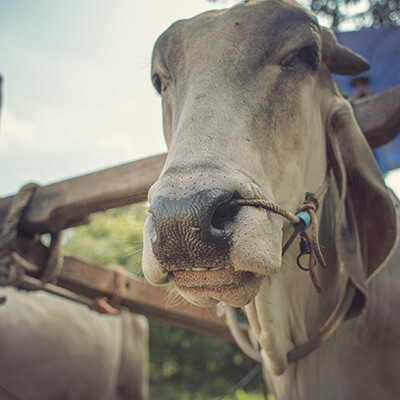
<point>194,231</point>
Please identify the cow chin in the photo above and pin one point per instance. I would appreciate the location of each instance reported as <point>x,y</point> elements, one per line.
<point>235,288</point>
<point>255,254</point>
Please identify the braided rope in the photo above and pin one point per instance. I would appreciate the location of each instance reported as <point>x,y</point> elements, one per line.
<point>267,206</point>
<point>55,260</point>
<point>15,213</point>
<point>11,271</point>
<point>12,265</point>
<point>310,206</point>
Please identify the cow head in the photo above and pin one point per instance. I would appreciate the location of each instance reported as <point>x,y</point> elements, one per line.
<point>247,102</point>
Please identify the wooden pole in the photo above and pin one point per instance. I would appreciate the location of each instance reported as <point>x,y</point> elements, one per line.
<point>69,203</point>
<point>154,302</point>
<point>83,281</point>
<point>379,116</point>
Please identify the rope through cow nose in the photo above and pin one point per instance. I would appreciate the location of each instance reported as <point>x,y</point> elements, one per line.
<point>305,217</point>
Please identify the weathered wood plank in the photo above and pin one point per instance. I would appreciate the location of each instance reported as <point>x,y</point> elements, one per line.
<point>70,202</point>
<point>379,116</point>
<point>91,280</point>
<point>154,302</point>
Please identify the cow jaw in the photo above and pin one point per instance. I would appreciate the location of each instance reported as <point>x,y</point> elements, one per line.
<point>205,288</point>
<point>255,245</point>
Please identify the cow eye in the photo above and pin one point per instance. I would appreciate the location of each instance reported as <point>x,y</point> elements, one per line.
<point>158,84</point>
<point>307,55</point>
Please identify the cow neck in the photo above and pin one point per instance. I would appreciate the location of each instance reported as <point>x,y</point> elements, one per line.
<point>329,327</point>
<point>300,223</point>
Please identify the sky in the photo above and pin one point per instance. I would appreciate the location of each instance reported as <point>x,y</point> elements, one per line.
<point>77,95</point>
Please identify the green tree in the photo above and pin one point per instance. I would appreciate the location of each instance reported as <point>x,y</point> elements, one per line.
<point>186,366</point>
<point>112,239</point>
<point>361,13</point>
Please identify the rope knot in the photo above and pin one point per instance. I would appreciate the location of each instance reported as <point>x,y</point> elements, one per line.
<point>307,206</point>
<point>312,198</point>
<point>12,264</point>
<point>310,206</point>
<point>11,271</point>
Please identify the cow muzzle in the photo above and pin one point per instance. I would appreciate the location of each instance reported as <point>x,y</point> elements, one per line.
<point>191,233</point>
<point>197,242</point>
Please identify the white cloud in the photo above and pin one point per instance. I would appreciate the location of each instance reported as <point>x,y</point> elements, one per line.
<point>120,144</point>
<point>16,136</point>
<point>130,129</point>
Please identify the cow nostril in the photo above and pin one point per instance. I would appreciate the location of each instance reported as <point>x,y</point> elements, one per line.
<point>223,216</point>
<point>151,229</point>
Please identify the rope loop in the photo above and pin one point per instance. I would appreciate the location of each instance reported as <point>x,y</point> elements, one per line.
<point>312,197</point>
<point>15,213</point>
<point>304,250</point>
<point>11,271</point>
<point>12,264</point>
<point>55,260</point>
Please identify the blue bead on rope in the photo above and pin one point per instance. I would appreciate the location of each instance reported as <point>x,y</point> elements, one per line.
<point>305,217</point>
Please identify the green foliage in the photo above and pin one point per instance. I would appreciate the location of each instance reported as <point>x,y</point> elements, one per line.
<point>243,395</point>
<point>338,14</point>
<point>187,366</point>
<point>361,13</point>
<point>112,239</point>
<point>183,365</point>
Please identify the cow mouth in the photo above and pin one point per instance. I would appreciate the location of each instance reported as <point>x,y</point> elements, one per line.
<point>206,288</point>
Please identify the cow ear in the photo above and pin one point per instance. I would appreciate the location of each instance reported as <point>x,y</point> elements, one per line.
<point>366,228</point>
<point>339,59</point>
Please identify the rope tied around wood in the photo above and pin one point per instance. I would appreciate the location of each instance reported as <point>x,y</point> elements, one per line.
<point>14,267</point>
<point>12,264</point>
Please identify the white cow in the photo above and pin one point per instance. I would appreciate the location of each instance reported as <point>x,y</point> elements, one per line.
<point>253,122</point>
<point>54,349</point>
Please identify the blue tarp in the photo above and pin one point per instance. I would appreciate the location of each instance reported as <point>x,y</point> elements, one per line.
<point>381,47</point>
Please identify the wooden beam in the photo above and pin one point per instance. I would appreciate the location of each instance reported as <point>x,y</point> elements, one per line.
<point>157,303</point>
<point>379,116</point>
<point>90,280</point>
<point>69,203</point>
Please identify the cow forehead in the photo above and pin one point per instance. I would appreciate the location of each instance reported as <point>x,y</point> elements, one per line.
<point>257,25</point>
